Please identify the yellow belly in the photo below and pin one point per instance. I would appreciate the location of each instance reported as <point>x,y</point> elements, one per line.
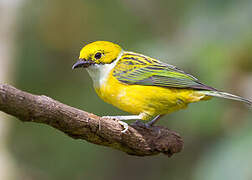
<point>149,100</point>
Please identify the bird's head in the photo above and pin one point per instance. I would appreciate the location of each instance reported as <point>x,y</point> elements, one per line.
<point>98,52</point>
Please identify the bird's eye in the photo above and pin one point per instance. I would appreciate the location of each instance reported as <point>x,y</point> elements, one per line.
<point>98,55</point>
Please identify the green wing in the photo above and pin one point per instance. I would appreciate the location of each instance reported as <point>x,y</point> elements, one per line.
<point>135,68</point>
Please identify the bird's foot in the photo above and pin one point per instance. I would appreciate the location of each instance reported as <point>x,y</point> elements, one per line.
<point>141,124</point>
<point>149,126</point>
<point>125,126</point>
<point>116,118</point>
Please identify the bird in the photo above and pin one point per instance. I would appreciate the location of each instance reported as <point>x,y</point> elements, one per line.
<point>143,86</point>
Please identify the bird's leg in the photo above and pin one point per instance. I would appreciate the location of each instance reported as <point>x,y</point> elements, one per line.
<point>153,121</point>
<point>130,117</point>
<point>120,118</point>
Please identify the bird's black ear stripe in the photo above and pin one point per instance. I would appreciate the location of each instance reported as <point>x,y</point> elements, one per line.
<point>113,60</point>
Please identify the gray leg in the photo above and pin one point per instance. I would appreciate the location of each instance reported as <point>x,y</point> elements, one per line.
<point>124,118</point>
<point>120,118</point>
<point>153,121</point>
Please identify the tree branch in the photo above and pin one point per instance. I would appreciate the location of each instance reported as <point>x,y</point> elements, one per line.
<point>79,124</point>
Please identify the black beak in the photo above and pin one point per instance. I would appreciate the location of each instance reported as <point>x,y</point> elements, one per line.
<point>82,63</point>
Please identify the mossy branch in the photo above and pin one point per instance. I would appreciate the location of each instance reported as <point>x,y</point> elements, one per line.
<point>79,124</point>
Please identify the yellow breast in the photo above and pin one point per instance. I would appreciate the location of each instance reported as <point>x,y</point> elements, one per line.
<point>150,100</point>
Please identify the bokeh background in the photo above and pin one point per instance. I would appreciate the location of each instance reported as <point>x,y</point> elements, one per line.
<point>211,39</point>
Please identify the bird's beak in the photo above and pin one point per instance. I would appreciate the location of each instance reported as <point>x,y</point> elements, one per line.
<point>82,63</point>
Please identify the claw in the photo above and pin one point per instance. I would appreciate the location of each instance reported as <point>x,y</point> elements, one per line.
<point>125,126</point>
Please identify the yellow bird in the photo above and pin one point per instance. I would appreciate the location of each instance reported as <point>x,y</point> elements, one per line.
<point>141,85</point>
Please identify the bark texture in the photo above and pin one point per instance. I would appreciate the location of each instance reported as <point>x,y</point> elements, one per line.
<point>78,124</point>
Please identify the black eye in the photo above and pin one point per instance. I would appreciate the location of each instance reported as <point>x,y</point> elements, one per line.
<point>98,55</point>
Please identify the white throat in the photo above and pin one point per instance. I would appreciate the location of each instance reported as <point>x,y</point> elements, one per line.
<point>99,72</point>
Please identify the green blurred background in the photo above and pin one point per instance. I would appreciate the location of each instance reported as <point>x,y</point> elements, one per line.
<point>210,39</point>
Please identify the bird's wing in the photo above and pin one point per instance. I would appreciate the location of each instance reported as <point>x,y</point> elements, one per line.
<point>137,69</point>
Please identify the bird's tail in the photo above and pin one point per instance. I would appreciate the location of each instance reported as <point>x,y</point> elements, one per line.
<point>227,96</point>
